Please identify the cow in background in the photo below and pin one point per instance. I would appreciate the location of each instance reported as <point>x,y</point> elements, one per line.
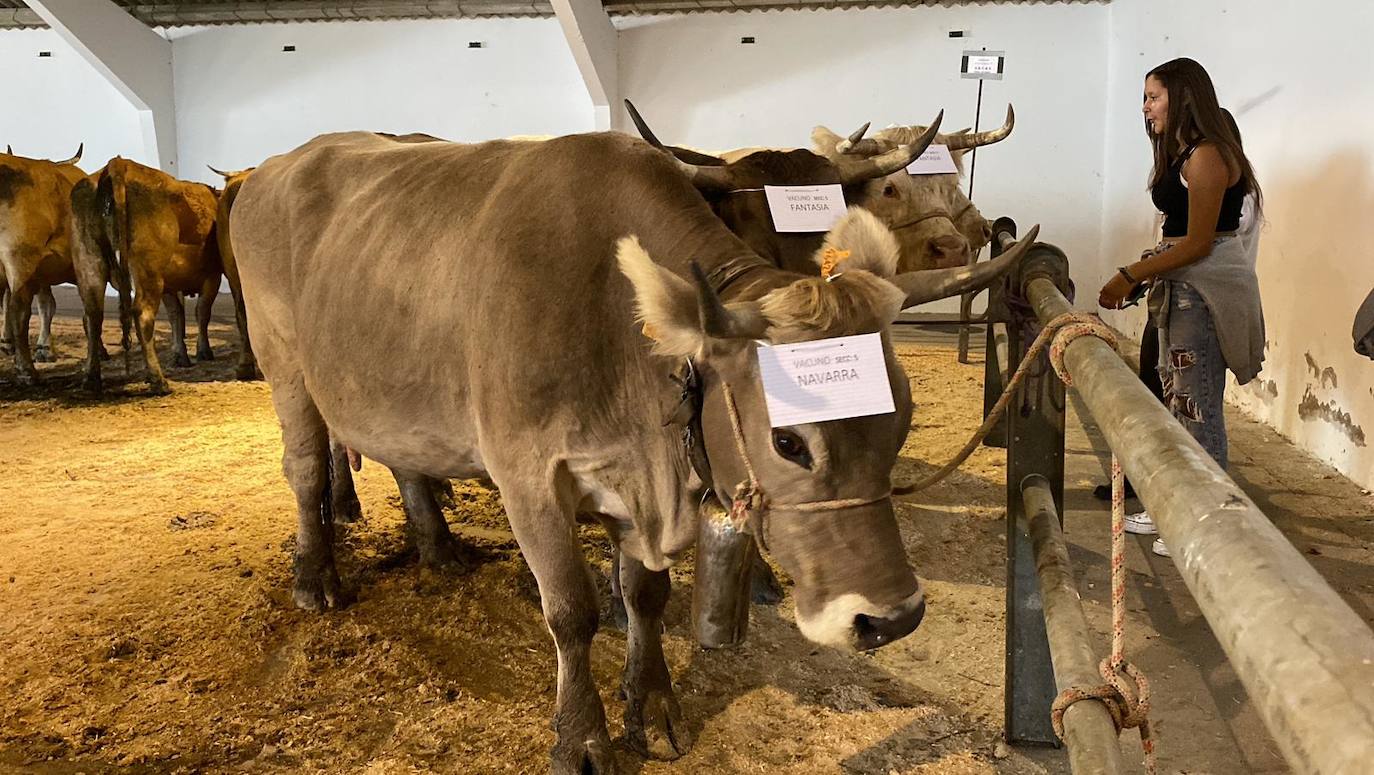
<point>35,248</point>
<point>153,237</point>
<point>935,222</point>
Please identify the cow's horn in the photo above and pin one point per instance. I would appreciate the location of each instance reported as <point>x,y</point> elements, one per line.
<point>8,150</point>
<point>221,173</point>
<point>931,284</point>
<point>894,160</point>
<point>976,139</point>
<point>708,177</point>
<point>721,322</point>
<point>74,159</point>
<point>856,144</point>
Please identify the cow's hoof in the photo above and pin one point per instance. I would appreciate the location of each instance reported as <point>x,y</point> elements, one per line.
<point>590,757</point>
<point>104,354</point>
<point>159,387</point>
<point>43,354</point>
<point>92,383</point>
<point>181,360</point>
<point>764,587</point>
<point>27,378</point>
<point>620,620</point>
<point>347,511</point>
<point>654,726</point>
<point>319,590</point>
<point>205,354</point>
<point>443,554</point>
<point>246,372</point>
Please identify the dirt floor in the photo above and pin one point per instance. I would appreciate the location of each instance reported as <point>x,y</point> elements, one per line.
<point>146,622</point>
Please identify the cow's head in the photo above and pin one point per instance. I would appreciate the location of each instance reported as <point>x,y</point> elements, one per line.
<point>935,223</point>
<point>854,586</point>
<point>733,185</point>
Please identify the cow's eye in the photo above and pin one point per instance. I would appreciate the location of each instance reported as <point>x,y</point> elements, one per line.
<point>889,190</point>
<point>791,446</point>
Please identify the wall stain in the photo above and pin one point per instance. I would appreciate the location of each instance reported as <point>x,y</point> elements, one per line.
<point>1265,389</point>
<point>1312,366</point>
<point>1312,409</point>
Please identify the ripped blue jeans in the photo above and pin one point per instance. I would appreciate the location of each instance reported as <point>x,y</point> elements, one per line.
<point>1192,369</point>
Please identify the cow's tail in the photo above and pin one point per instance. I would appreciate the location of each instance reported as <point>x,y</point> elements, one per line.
<point>114,214</point>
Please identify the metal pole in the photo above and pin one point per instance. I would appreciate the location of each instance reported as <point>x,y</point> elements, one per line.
<point>966,300</point>
<point>1035,446</point>
<point>1089,732</point>
<point>1305,657</point>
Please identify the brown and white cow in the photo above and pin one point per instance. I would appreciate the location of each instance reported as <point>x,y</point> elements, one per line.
<point>475,310</point>
<point>934,220</point>
<point>153,236</point>
<point>35,248</point>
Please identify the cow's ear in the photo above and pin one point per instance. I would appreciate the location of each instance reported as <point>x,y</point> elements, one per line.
<point>665,304</point>
<point>825,142</point>
<point>859,241</point>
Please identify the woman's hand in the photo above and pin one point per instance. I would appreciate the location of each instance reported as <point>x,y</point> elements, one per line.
<point>1114,292</point>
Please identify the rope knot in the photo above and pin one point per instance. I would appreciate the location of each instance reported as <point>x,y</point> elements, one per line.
<point>1070,326</point>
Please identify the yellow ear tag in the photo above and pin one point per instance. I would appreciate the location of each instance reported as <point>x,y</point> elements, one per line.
<point>830,259</point>
<point>650,331</point>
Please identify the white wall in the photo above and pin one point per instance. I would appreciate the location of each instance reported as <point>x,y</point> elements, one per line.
<point>50,105</point>
<point>240,98</point>
<point>1299,85</point>
<point>697,85</point>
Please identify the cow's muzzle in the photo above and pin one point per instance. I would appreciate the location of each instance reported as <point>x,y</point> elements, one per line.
<point>871,632</point>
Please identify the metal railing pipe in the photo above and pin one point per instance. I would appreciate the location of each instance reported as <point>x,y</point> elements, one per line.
<point>1305,657</point>
<point>1089,731</point>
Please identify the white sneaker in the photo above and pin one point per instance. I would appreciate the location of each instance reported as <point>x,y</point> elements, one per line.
<point>1140,524</point>
<point>1160,549</point>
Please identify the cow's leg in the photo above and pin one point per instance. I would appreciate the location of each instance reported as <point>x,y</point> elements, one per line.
<point>176,318</point>
<point>425,520</point>
<point>619,619</point>
<point>6,344</point>
<point>17,320</point>
<point>653,719</point>
<point>546,532</point>
<point>93,319</point>
<point>204,306</point>
<point>343,497</point>
<point>305,460</point>
<point>47,307</point>
<point>145,306</point>
<point>247,367</point>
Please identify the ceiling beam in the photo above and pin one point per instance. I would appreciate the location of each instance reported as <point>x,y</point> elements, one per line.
<point>133,58</point>
<point>592,39</point>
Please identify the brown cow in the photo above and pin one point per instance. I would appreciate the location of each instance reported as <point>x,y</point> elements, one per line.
<point>467,310</point>
<point>158,241</point>
<point>247,368</point>
<point>35,245</point>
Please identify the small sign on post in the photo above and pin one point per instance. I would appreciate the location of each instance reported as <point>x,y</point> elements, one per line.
<point>983,65</point>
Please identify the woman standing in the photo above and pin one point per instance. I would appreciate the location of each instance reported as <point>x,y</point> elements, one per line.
<point>1204,295</point>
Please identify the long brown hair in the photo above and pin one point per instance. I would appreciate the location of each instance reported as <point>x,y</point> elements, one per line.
<point>1196,117</point>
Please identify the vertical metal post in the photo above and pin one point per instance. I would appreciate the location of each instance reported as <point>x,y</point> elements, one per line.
<point>966,300</point>
<point>1035,447</point>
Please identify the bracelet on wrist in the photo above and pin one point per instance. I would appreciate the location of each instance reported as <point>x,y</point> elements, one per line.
<point>1124,273</point>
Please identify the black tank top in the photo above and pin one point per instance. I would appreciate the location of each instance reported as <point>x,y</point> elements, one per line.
<point>1171,197</point>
